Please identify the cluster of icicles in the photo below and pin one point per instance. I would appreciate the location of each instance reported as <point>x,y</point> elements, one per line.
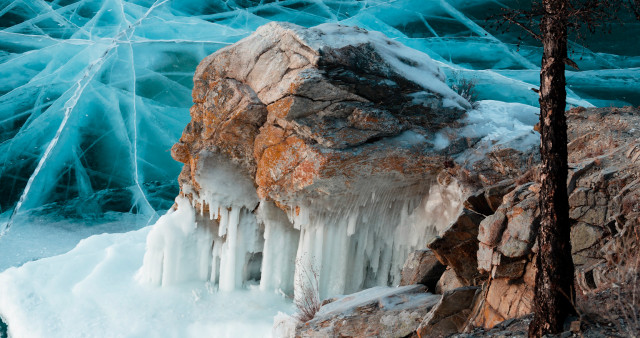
<point>351,242</point>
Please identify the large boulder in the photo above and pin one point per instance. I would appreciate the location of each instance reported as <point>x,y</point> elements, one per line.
<point>317,145</point>
<point>422,267</point>
<point>309,112</point>
<point>451,313</point>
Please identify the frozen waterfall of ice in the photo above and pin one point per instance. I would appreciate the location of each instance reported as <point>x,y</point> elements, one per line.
<point>352,242</point>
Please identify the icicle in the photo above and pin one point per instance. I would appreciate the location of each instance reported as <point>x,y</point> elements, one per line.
<point>215,260</point>
<point>228,269</point>
<point>351,229</point>
<point>224,221</point>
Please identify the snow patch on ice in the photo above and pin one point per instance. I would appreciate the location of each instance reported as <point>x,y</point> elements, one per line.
<point>284,325</point>
<point>504,123</point>
<point>91,290</point>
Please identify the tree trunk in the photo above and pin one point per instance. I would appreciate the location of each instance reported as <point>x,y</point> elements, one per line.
<point>554,291</point>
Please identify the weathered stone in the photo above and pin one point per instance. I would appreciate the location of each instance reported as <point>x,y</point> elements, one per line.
<point>485,257</point>
<point>422,267</point>
<point>491,228</point>
<point>180,152</point>
<point>450,314</point>
<point>496,193</point>
<point>584,236</point>
<point>522,225</point>
<point>448,281</point>
<point>581,197</point>
<point>457,247</point>
<point>602,183</point>
<point>505,299</point>
<point>478,203</point>
<point>594,215</point>
<point>509,269</point>
<point>305,116</point>
<point>579,170</point>
<point>380,312</point>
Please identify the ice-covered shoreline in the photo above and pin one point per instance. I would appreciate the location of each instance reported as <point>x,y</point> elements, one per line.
<point>92,291</point>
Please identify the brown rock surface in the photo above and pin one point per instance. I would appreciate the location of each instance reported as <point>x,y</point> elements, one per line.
<point>457,247</point>
<point>307,118</point>
<point>339,129</point>
<point>604,193</point>
<point>448,281</point>
<point>422,267</point>
<point>451,313</point>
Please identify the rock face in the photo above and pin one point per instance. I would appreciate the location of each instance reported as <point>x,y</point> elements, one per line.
<point>604,186</point>
<point>458,245</point>
<point>306,112</point>
<point>377,312</point>
<point>451,313</point>
<point>493,241</point>
<point>422,267</point>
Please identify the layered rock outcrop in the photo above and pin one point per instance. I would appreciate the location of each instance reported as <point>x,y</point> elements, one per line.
<point>603,190</point>
<point>310,112</point>
<point>319,146</point>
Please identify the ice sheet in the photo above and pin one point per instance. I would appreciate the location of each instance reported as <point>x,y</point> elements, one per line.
<point>94,93</point>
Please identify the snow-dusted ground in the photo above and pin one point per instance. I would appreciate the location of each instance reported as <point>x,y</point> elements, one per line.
<point>91,292</point>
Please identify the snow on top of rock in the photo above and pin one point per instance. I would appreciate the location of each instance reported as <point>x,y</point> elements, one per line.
<point>408,62</point>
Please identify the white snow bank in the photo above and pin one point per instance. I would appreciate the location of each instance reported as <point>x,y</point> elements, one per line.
<point>91,292</point>
<point>507,124</point>
<point>494,125</point>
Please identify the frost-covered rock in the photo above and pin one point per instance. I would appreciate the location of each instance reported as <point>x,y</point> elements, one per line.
<point>320,146</point>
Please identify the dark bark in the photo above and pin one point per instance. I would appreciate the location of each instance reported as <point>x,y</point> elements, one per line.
<point>554,278</point>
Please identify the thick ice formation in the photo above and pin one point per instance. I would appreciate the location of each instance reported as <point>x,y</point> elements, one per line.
<point>351,242</point>
<point>186,246</point>
<point>94,92</point>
